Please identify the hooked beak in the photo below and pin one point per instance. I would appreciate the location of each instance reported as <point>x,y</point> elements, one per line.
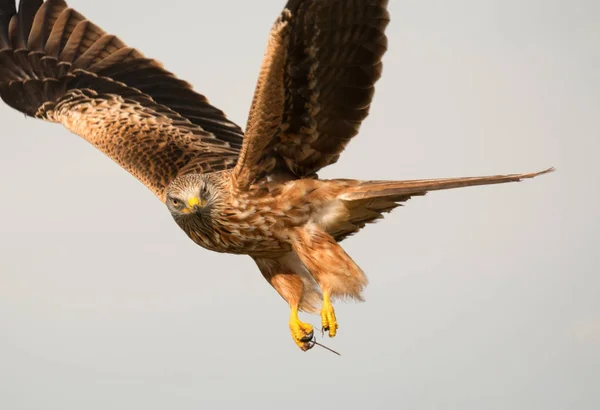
<point>194,204</point>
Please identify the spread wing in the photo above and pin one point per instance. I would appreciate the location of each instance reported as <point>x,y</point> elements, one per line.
<point>58,66</point>
<point>315,88</point>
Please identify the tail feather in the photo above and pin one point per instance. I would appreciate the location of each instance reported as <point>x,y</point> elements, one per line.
<point>399,191</point>
<point>367,201</point>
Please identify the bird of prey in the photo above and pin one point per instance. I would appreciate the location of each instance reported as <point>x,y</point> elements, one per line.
<point>254,192</point>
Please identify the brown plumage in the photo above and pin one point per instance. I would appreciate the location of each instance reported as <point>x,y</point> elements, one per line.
<point>253,193</point>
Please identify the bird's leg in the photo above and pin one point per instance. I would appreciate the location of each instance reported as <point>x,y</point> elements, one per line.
<point>302,333</point>
<point>291,288</point>
<point>328,320</point>
<point>331,267</point>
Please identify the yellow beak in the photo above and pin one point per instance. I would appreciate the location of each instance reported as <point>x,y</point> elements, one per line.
<point>193,201</point>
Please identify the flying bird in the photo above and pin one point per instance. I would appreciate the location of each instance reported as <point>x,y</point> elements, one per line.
<point>254,192</point>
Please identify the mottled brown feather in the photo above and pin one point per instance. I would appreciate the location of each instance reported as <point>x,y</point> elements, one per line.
<point>267,110</point>
<point>61,32</point>
<point>333,60</point>
<point>333,269</point>
<point>314,89</point>
<point>84,34</point>
<point>43,22</point>
<point>68,70</point>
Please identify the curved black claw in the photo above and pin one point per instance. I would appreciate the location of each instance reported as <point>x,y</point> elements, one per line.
<point>309,337</point>
<point>313,342</point>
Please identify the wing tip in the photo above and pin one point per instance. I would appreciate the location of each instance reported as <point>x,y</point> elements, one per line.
<point>8,9</point>
<point>536,174</point>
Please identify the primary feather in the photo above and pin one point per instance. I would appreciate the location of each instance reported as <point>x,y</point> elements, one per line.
<point>58,66</point>
<point>255,194</point>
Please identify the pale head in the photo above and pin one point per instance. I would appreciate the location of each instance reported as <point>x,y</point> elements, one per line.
<point>189,195</point>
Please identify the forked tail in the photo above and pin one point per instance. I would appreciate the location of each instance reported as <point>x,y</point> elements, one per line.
<point>366,201</point>
<point>401,189</point>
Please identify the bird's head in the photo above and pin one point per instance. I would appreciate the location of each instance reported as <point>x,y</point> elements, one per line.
<point>190,195</point>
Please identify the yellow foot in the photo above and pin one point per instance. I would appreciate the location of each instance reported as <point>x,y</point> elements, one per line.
<point>328,321</point>
<point>302,333</point>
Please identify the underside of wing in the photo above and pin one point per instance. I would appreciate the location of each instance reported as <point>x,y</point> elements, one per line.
<point>58,66</point>
<point>321,65</point>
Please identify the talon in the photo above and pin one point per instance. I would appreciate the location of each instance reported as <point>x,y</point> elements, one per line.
<point>328,320</point>
<point>309,337</point>
<point>302,333</point>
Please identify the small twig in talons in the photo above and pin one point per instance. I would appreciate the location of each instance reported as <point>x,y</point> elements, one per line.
<point>316,327</point>
<point>314,342</point>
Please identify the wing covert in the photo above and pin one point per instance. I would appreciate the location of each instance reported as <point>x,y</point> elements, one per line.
<point>332,51</point>
<point>57,65</point>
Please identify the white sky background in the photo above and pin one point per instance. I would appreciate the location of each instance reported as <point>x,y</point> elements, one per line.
<point>480,298</point>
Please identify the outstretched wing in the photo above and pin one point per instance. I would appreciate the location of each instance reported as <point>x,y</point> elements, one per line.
<point>317,81</point>
<point>58,66</point>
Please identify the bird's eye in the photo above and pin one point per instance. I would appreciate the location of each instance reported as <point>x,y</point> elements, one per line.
<point>175,202</point>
